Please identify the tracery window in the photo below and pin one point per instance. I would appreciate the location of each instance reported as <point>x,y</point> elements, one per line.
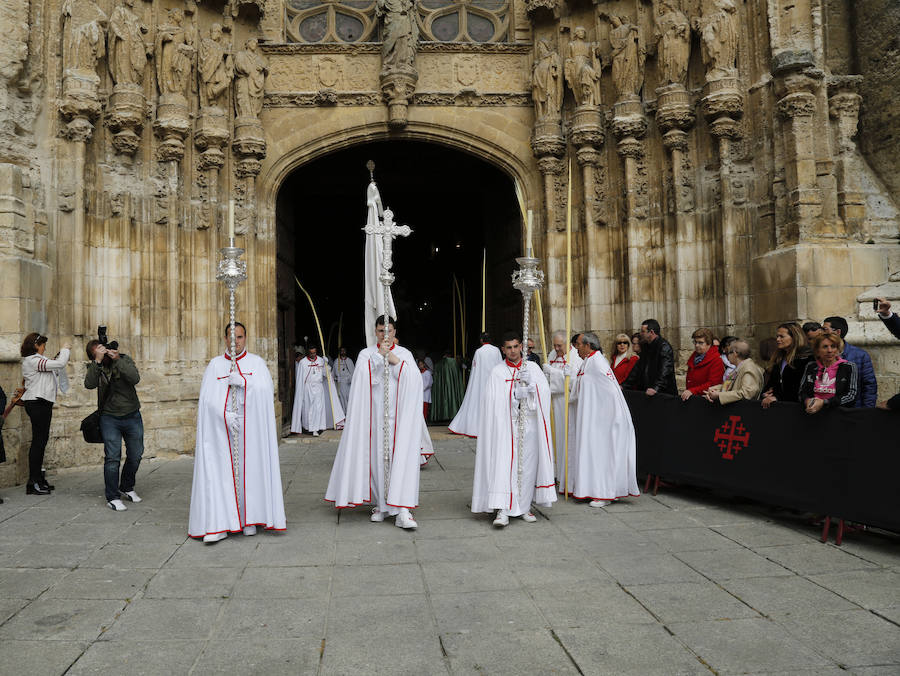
<point>346,21</point>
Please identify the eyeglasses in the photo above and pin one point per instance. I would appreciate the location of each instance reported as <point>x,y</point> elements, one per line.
<point>623,342</point>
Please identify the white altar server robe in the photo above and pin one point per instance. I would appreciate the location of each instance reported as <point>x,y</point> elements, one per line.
<point>496,484</point>
<point>357,476</point>
<point>343,376</point>
<point>556,372</point>
<point>602,446</point>
<point>312,388</point>
<point>241,488</point>
<point>468,417</point>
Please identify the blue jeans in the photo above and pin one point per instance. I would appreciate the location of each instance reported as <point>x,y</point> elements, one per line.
<point>131,428</point>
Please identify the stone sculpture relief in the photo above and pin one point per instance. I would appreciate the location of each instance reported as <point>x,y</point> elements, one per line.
<point>215,68</point>
<point>84,44</point>
<point>673,39</point>
<point>127,51</point>
<point>719,40</point>
<point>583,68</point>
<point>628,55</point>
<point>250,70</point>
<point>175,52</point>
<point>398,56</point>
<point>546,82</point>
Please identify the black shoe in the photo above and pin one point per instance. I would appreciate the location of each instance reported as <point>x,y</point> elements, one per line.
<point>34,488</point>
<point>1,501</point>
<point>44,484</point>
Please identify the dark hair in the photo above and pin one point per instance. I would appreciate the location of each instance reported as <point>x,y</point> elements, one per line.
<point>29,345</point>
<point>652,325</point>
<point>485,337</point>
<point>89,348</point>
<point>312,346</point>
<point>838,323</point>
<point>798,348</point>
<point>574,338</point>
<point>725,342</point>
<point>510,336</point>
<point>236,324</point>
<point>381,321</point>
<point>811,326</point>
<point>767,349</point>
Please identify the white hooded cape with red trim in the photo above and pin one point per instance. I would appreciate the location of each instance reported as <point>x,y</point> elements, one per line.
<point>312,386</point>
<point>602,447</point>
<point>358,470</point>
<point>216,502</point>
<point>468,417</point>
<point>496,484</point>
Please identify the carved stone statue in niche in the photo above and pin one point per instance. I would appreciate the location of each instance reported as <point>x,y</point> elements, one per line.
<point>127,52</point>
<point>719,40</point>
<point>583,68</point>
<point>627,57</point>
<point>215,68</point>
<point>83,36</point>
<point>250,69</point>
<point>673,37</point>
<point>401,33</point>
<point>546,82</point>
<point>174,53</point>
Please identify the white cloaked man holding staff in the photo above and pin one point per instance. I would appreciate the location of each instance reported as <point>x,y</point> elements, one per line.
<point>312,390</point>
<point>514,470</point>
<point>560,364</point>
<point>602,446</point>
<point>343,375</point>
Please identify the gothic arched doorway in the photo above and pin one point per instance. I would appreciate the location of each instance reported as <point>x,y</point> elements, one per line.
<point>458,206</point>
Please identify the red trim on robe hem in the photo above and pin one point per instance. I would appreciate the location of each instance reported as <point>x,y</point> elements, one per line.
<point>590,497</point>
<point>237,502</point>
<point>463,434</point>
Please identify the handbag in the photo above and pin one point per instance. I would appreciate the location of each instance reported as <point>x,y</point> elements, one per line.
<point>90,426</point>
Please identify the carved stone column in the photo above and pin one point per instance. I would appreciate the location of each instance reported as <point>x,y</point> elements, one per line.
<point>80,104</point>
<point>796,107</point>
<point>629,126</point>
<point>843,108</point>
<point>675,117</point>
<point>211,135</point>
<point>723,106</point>
<point>548,146</point>
<point>249,148</point>
<point>398,86</point>
<point>125,116</point>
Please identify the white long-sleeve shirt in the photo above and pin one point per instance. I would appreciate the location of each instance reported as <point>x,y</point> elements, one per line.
<point>41,375</point>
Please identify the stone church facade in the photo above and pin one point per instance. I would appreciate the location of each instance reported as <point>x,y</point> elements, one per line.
<point>731,163</point>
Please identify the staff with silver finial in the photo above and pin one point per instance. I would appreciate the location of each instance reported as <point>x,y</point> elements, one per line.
<point>526,279</point>
<point>231,272</point>
<point>387,230</point>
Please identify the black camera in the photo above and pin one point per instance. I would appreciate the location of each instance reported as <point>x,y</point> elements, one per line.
<point>104,339</point>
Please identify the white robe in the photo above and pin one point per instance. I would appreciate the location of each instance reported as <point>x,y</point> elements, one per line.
<point>231,491</point>
<point>343,375</point>
<point>602,447</point>
<point>312,389</point>
<point>496,484</point>
<point>427,384</point>
<point>357,476</point>
<point>468,417</point>
<point>557,376</point>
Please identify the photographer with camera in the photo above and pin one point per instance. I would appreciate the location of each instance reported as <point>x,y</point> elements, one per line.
<point>120,416</point>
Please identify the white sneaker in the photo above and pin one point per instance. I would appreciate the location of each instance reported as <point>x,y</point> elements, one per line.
<point>249,530</point>
<point>214,537</point>
<point>377,516</point>
<point>528,517</point>
<point>404,519</point>
<point>131,495</point>
<point>502,519</point>
<point>600,503</point>
<point>116,505</point>
<point>316,433</point>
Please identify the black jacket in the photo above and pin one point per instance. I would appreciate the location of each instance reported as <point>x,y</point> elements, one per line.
<point>892,323</point>
<point>785,385</point>
<point>846,383</point>
<point>655,368</point>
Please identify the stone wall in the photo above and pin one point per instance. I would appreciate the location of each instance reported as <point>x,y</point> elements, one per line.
<point>710,147</point>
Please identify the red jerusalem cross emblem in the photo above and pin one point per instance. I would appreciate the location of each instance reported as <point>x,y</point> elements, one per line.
<point>732,437</point>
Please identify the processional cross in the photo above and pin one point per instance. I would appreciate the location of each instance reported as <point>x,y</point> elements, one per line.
<point>387,230</point>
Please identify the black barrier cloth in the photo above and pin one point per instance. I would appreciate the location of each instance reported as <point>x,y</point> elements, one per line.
<point>841,463</point>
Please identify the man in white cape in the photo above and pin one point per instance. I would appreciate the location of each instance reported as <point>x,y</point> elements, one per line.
<point>343,376</point>
<point>316,404</point>
<point>468,417</point>
<point>559,364</point>
<point>357,476</point>
<point>236,488</point>
<point>509,478</point>
<point>602,447</point>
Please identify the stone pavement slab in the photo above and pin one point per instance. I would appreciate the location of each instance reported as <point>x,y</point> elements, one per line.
<point>683,583</point>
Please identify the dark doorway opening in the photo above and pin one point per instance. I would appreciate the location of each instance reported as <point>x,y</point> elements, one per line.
<point>458,207</point>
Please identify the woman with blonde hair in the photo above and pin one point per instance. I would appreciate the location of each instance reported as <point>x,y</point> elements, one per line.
<point>829,380</point>
<point>785,370</point>
<point>623,357</point>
